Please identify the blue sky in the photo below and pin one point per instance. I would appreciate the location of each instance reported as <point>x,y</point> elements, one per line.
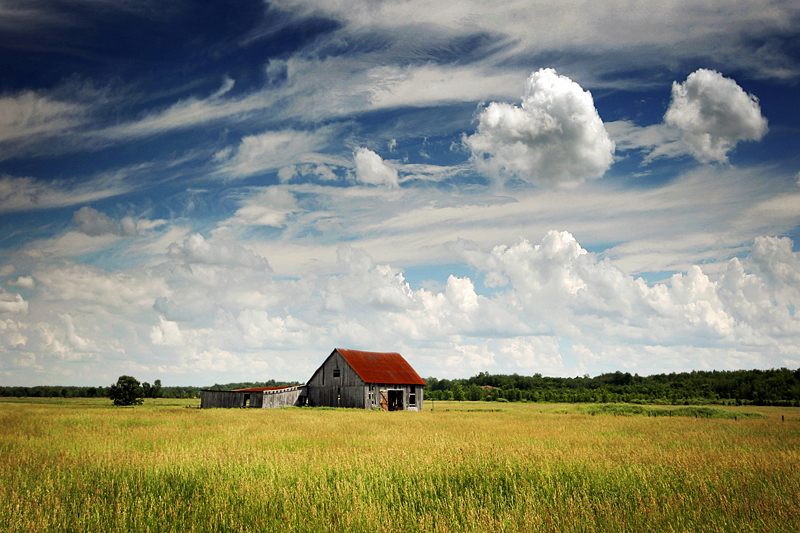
<point>203,192</point>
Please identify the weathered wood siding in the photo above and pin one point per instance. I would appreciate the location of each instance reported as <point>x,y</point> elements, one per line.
<point>271,399</point>
<point>214,398</point>
<point>256,399</point>
<point>349,390</point>
<point>346,390</point>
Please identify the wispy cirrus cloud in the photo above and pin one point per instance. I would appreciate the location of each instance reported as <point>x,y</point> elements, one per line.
<point>26,193</point>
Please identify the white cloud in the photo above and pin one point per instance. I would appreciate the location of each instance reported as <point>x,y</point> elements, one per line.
<point>556,136</point>
<point>127,227</point>
<point>166,333</point>
<point>79,285</point>
<point>77,342</point>
<point>217,317</point>
<point>773,259</point>
<point>29,116</point>
<point>672,32</point>
<point>196,249</point>
<point>269,207</point>
<point>533,354</point>
<point>371,169</point>
<point>275,150</point>
<point>12,333</point>
<point>185,114</point>
<point>23,282</point>
<point>19,194</point>
<point>321,171</point>
<point>574,293</point>
<point>12,303</point>
<point>93,223</point>
<point>714,114</point>
<point>656,141</point>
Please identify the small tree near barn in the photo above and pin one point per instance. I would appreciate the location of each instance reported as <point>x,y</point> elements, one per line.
<point>126,391</point>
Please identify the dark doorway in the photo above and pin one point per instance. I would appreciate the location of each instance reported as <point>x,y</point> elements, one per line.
<point>395,400</point>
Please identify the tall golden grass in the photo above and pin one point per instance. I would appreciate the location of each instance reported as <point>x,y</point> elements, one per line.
<point>81,465</point>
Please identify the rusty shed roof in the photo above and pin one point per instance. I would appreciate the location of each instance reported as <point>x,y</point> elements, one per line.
<point>374,367</point>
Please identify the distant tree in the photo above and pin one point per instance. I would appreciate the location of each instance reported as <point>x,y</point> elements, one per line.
<point>126,391</point>
<point>155,390</point>
<point>474,393</point>
<point>458,392</point>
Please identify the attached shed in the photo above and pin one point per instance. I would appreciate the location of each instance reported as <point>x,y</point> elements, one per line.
<point>259,397</point>
<point>366,380</point>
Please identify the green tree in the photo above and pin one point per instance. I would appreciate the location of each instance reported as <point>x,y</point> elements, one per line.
<point>458,392</point>
<point>126,391</point>
<point>474,393</point>
<point>155,390</point>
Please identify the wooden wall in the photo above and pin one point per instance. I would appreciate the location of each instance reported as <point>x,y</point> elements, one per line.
<point>214,398</point>
<point>282,398</point>
<point>349,390</point>
<point>257,399</point>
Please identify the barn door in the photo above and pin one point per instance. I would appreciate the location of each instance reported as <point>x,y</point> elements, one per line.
<point>384,400</point>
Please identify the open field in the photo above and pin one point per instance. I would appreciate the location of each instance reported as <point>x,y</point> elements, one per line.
<point>82,465</point>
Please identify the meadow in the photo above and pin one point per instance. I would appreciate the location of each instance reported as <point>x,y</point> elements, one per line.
<point>83,465</point>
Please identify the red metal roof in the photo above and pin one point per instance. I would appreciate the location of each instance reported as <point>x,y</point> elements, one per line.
<point>374,367</point>
<point>259,389</point>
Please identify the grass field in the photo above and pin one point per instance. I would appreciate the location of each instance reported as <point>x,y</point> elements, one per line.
<point>82,465</point>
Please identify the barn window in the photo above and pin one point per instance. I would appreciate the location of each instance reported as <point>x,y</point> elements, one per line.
<point>336,372</point>
<point>412,397</point>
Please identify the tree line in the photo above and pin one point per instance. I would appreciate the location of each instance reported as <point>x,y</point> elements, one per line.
<point>156,390</point>
<point>779,387</point>
<point>759,387</point>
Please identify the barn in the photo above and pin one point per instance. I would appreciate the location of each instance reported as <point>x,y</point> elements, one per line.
<point>347,378</point>
<point>366,380</point>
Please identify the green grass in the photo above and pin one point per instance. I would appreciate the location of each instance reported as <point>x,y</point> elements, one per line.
<point>690,411</point>
<point>82,465</point>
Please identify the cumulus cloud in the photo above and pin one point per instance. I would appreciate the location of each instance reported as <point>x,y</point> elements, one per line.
<point>196,249</point>
<point>774,260</point>
<point>23,282</point>
<point>94,223</point>
<point>537,299</point>
<point>371,169</point>
<point>12,303</point>
<point>72,284</point>
<point>78,343</point>
<point>574,293</point>
<point>555,136</point>
<point>166,333</point>
<point>714,114</point>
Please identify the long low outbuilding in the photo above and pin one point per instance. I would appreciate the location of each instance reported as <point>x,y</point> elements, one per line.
<point>259,397</point>
<point>347,378</point>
